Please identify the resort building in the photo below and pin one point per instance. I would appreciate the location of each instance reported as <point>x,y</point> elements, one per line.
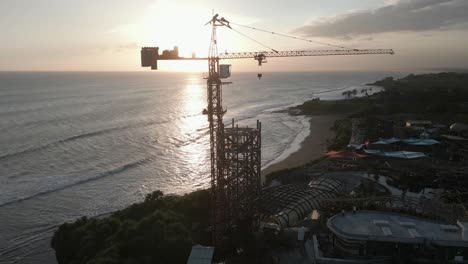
<point>397,238</point>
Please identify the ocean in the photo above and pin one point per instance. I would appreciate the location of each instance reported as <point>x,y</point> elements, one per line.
<point>86,144</point>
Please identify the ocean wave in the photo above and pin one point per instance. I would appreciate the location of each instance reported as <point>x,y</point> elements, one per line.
<point>280,108</point>
<point>77,137</point>
<point>41,107</point>
<point>17,247</point>
<point>332,90</point>
<point>26,238</point>
<point>99,176</point>
<point>294,145</point>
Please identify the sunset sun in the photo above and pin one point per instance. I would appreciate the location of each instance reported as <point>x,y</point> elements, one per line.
<point>168,25</point>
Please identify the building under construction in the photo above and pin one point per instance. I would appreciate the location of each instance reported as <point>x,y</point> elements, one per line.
<point>242,147</point>
<point>235,153</point>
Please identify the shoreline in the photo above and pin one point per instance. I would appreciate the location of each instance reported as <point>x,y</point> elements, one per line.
<point>313,147</point>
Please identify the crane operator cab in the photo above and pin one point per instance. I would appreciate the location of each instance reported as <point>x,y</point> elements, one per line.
<point>224,71</point>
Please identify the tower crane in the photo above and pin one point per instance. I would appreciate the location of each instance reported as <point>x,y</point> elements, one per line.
<point>224,201</point>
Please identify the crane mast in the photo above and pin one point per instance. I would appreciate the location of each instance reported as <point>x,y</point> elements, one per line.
<point>235,153</point>
<point>215,113</point>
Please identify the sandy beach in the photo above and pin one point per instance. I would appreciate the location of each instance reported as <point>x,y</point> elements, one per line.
<point>314,146</point>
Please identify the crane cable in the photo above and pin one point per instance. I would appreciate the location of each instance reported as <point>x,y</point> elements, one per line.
<point>254,40</point>
<point>293,37</point>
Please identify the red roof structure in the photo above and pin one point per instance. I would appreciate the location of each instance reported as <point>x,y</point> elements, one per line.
<point>345,154</point>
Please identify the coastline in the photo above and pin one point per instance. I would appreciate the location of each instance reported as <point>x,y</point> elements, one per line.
<point>313,147</point>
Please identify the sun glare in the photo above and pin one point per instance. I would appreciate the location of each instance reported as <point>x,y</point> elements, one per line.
<point>168,25</point>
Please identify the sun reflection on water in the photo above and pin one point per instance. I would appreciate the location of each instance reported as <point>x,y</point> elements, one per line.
<point>194,127</point>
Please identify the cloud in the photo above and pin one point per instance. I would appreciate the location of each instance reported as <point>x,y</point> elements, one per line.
<point>395,16</point>
<point>111,48</point>
<point>367,39</point>
<point>391,2</point>
<point>126,47</point>
<point>124,28</point>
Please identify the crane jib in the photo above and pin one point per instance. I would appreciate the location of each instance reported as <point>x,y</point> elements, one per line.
<point>270,54</point>
<point>150,55</point>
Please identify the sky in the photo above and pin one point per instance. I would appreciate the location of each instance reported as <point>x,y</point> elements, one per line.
<point>62,35</point>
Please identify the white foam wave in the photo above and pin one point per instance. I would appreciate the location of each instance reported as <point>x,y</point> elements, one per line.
<point>301,133</point>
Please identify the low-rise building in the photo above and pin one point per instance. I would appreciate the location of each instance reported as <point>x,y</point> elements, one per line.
<point>418,124</point>
<point>401,238</point>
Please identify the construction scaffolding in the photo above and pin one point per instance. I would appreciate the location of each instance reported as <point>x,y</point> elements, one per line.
<point>242,148</point>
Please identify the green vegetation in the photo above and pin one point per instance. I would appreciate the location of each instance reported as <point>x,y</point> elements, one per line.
<point>441,93</point>
<point>318,107</point>
<point>162,229</point>
<point>343,131</point>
